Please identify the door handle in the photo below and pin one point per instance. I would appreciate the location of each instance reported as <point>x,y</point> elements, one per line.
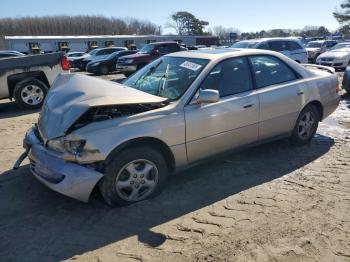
<point>300,92</point>
<point>248,105</point>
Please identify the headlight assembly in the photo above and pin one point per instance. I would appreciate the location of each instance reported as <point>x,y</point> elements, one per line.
<point>70,146</point>
<point>74,147</point>
<point>56,144</point>
<point>129,61</point>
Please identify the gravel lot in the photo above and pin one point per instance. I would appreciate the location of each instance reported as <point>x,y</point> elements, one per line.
<point>275,202</point>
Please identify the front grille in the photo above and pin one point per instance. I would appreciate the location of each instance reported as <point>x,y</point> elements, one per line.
<point>37,133</point>
<point>327,59</point>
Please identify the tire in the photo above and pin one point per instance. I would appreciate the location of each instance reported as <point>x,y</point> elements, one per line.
<point>140,66</point>
<point>30,93</point>
<point>120,187</point>
<point>127,74</point>
<point>306,125</point>
<point>104,70</point>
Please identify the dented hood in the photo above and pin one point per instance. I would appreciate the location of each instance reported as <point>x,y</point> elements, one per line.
<point>73,94</point>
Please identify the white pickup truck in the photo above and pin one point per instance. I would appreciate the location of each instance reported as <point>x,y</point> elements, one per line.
<point>26,79</point>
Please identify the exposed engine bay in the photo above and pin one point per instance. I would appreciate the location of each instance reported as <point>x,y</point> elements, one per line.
<point>103,113</point>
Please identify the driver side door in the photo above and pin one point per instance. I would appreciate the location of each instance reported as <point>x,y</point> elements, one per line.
<point>233,121</point>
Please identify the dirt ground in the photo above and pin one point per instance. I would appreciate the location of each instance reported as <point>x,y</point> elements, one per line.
<point>274,202</point>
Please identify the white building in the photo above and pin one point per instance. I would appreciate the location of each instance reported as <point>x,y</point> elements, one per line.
<point>48,44</point>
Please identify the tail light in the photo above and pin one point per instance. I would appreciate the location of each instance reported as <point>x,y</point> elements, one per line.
<point>337,88</point>
<point>65,63</point>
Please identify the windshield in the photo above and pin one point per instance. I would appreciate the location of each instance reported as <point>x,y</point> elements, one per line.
<point>245,44</point>
<point>167,77</point>
<point>93,52</point>
<point>113,55</point>
<point>344,49</point>
<point>314,45</point>
<point>147,49</point>
<point>342,45</point>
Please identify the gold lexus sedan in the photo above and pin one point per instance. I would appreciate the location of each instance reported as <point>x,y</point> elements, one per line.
<point>182,108</point>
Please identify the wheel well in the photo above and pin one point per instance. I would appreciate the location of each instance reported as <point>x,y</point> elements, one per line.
<point>12,80</point>
<point>141,65</point>
<point>319,107</point>
<point>150,142</point>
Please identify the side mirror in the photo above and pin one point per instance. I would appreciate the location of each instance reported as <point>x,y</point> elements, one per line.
<point>207,96</point>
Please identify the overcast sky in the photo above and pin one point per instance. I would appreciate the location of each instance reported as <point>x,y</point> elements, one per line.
<point>246,15</point>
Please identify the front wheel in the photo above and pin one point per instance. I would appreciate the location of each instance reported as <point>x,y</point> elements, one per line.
<point>306,125</point>
<point>133,175</point>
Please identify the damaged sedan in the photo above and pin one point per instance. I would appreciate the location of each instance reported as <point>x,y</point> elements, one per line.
<point>182,108</point>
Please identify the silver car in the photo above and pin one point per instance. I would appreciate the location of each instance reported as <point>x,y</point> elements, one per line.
<point>289,46</point>
<point>180,109</point>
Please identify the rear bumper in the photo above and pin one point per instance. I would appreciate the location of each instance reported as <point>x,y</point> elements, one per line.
<point>70,179</point>
<point>330,108</point>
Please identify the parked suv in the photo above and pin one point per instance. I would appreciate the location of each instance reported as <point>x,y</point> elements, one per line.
<point>291,47</point>
<point>131,63</point>
<point>315,48</point>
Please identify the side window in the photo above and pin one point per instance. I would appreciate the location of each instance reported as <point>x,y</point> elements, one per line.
<point>263,45</point>
<point>292,46</point>
<point>174,48</point>
<point>163,49</point>
<point>278,46</point>
<point>269,70</point>
<point>229,77</point>
<point>110,51</point>
<point>101,52</point>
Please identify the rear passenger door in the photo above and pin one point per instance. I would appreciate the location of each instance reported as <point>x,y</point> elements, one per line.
<point>280,95</point>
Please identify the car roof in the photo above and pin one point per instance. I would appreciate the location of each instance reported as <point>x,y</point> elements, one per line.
<point>271,39</point>
<point>319,41</point>
<point>215,54</point>
<point>164,42</point>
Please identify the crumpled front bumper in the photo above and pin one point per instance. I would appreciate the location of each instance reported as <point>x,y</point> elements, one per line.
<point>49,168</point>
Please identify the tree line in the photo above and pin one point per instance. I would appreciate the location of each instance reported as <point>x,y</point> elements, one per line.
<point>184,23</point>
<point>75,25</point>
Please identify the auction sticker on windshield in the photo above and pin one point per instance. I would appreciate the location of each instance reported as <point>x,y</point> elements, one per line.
<point>190,65</point>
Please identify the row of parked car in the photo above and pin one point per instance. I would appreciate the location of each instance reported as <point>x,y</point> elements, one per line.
<point>107,60</point>
<point>110,59</point>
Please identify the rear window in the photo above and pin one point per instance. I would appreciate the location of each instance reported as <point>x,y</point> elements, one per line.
<point>245,44</point>
<point>269,70</point>
<point>293,45</point>
<point>278,46</point>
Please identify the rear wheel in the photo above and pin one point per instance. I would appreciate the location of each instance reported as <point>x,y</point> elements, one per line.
<point>306,125</point>
<point>30,93</point>
<point>133,175</point>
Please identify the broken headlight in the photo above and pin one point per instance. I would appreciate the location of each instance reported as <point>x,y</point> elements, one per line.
<point>74,147</point>
<point>62,145</point>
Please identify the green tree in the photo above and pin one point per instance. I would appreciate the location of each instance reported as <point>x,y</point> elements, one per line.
<point>343,16</point>
<point>186,23</point>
